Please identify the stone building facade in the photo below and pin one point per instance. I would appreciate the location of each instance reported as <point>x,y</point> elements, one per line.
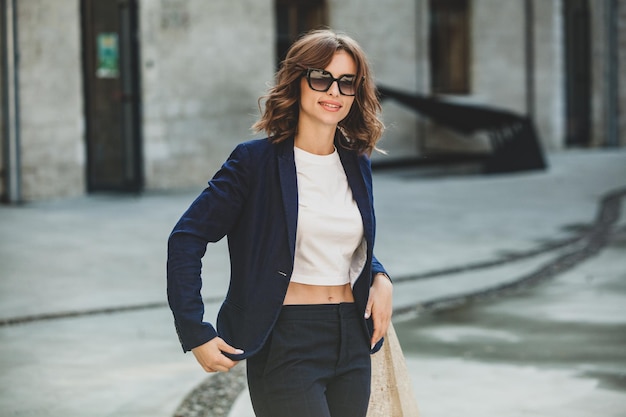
<point>200,67</point>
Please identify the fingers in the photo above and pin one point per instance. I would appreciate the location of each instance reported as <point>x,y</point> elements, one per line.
<point>218,368</point>
<point>211,357</point>
<point>379,307</point>
<point>381,324</point>
<point>226,348</point>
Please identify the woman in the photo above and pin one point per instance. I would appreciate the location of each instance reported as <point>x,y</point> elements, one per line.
<point>307,301</point>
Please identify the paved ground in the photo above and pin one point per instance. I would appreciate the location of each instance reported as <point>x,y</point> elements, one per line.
<point>84,329</point>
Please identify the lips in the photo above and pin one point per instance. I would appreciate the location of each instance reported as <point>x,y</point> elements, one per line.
<point>330,105</point>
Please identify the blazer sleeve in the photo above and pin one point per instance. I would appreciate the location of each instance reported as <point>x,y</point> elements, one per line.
<point>377,267</point>
<point>208,219</point>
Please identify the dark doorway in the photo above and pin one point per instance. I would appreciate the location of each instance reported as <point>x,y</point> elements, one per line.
<point>450,46</point>
<point>577,73</point>
<point>112,99</point>
<point>295,17</point>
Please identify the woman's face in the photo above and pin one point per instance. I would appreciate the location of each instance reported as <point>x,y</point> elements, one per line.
<point>327,107</point>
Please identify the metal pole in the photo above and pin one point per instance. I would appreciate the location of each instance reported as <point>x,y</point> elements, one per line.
<point>529,44</point>
<point>10,104</point>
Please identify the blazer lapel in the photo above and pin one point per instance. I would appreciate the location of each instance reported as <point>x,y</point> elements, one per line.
<point>360,192</point>
<point>289,188</point>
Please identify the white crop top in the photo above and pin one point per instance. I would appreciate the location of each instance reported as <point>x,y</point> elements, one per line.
<point>330,246</point>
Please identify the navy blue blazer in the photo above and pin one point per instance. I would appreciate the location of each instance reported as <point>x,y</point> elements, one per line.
<point>253,200</point>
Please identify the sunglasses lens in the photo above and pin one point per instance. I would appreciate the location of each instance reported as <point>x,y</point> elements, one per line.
<point>319,81</point>
<point>346,86</point>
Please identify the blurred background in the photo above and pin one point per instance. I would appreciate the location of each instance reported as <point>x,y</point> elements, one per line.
<point>136,95</point>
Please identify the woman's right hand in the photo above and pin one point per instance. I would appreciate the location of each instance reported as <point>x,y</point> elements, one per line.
<point>211,358</point>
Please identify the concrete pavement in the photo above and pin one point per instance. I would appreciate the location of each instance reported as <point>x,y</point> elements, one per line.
<point>85,330</point>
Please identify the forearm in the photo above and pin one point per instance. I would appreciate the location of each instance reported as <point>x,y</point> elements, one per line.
<point>184,263</point>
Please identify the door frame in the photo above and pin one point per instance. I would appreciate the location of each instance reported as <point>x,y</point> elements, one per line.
<point>131,108</point>
<point>577,31</point>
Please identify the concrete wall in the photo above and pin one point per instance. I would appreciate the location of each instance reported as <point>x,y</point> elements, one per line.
<point>598,73</point>
<point>388,32</point>
<point>499,70</point>
<point>600,86</point>
<point>204,65</point>
<point>498,60</point>
<point>549,76</point>
<point>51,99</point>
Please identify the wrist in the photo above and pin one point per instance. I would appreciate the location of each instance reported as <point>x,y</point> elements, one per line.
<point>383,276</point>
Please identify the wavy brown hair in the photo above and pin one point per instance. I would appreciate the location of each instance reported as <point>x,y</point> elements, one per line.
<point>361,127</point>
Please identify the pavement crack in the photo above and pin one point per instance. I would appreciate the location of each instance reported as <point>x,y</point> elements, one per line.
<point>510,258</point>
<point>11,321</point>
<point>592,242</point>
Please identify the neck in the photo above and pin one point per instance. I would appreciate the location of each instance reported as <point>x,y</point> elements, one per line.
<point>320,141</point>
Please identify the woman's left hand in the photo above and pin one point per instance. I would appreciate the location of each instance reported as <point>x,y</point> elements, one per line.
<point>379,306</point>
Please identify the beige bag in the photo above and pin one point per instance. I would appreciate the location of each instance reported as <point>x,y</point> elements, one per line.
<point>392,391</point>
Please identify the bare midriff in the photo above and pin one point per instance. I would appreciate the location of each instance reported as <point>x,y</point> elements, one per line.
<point>318,294</point>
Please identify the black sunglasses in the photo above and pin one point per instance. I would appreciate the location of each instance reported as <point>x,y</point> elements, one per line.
<point>321,80</point>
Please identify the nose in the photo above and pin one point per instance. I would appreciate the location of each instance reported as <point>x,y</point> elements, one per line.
<point>333,90</point>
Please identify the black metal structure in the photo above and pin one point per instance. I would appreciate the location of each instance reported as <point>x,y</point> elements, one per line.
<point>513,138</point>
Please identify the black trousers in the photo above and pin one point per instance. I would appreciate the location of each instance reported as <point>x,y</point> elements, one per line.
<point>316,363</point>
